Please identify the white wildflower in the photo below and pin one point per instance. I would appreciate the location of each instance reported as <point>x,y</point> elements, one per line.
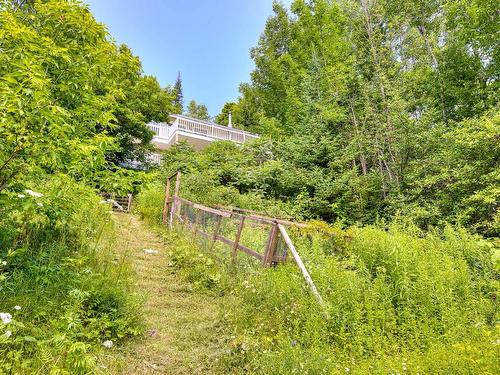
<point>347,369</point>
<point>34,193</point>
<point>4,263</point>
<point>39,204</point>
<point>21,196</point>
<point>150,251</point>
<point>6,318</point>
<point>17,307</point>
<point>8,333</point>
<point>108,344</point>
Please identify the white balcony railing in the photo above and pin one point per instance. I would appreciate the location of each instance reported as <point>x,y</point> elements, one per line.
<point>154,158</point>
<point>165,132</point>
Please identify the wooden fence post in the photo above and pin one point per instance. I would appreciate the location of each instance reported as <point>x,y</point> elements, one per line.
<point>166,203</point>
<point>176,192</point>
<point>271,245</point>
<point>217,227</point>
<point>218,223</point>
<point>129,204</point>
<point>234,251</point>
<point>301,265</point>
<point>176,206</point>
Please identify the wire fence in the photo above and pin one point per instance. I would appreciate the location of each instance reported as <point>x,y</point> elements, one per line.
<point>262,238</point>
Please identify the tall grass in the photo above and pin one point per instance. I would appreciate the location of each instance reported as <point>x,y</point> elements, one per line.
<point>61,270</point>
<point>398,301</point>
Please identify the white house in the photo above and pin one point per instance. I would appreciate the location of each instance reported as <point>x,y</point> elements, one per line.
<point>197,133</point>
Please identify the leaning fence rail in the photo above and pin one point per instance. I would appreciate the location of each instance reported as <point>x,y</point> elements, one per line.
<point>208,223</point>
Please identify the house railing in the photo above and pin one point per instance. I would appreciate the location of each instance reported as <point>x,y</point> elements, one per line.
<point>166,132</point>
<point>154,158</point>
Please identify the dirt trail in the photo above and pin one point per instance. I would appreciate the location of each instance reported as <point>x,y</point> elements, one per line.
<point>180,333</point>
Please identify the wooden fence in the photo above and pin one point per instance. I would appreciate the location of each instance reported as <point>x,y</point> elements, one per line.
<point>212,224</point>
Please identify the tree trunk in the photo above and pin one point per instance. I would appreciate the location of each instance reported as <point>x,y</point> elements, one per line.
<point>423,34</point>
<point>388,136</point>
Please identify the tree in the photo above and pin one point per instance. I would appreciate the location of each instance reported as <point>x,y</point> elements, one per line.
<point>55,111</point>
<point>71,100</point>
<point>178,101</point>
<point>198,111</point>
<point>139,100</point>
<point>362,93</point>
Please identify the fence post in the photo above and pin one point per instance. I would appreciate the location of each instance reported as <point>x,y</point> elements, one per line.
<point>129,202</point>
<point>216,231</point>
<point>165,204</point>
<point>237,241</point>
<point>301,265</point>
<point>271,245</point>
<point>176,206</point>
<point>216,228</point>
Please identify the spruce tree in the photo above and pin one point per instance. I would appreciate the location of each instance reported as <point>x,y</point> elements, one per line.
<point>178,101</point>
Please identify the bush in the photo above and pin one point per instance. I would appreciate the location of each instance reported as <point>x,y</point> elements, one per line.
<point>150,203</point>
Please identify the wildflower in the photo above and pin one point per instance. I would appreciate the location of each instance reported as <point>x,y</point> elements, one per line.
<point>21,196</point>
<point>39,204</point>
<point>6,318</point>
<point>17,307</point>
<point>150,251</point>
<point>347,369</point>
<point>4,263</point>
<point>108,344</point>
<point>34,193</point>
<point>8,333</point>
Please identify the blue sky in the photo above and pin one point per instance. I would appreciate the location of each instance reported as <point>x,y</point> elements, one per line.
<point>208,41</point>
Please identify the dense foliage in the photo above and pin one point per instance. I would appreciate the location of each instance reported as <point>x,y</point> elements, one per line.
<point>73,106</point>
<point>71,100</point>
<point>377,112</point>
<point>199,111</point>
<point>382,106</point>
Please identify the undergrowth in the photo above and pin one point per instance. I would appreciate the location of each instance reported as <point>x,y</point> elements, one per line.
<point>61,284</point>
<point>398,300</point>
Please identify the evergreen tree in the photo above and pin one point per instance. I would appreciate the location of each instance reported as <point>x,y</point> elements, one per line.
<point>178,102</point>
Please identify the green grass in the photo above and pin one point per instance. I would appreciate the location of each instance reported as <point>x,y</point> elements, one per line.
<point>398,300</point>
<point>180,336</point>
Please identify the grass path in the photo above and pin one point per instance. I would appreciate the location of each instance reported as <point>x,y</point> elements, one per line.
<point>180,336</point>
